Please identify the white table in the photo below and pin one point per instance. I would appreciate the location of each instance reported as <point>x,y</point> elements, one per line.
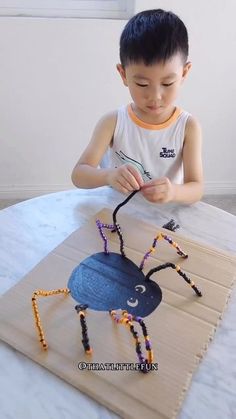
<point>31,229</point>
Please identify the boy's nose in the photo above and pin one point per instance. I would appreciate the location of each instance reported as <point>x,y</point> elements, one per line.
<point>156,95</point>
<point>154,101</point>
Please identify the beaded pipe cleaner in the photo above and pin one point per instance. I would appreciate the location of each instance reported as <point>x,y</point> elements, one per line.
<point>127,319</point>
<point>42,293</point>
<point>115,227</point>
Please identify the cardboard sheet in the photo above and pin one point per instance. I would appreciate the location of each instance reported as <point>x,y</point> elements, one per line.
<point>180,328</point>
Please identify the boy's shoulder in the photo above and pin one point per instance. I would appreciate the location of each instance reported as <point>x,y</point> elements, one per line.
<point>192,125</point>
<point>109,119</point>
<point>105,126</point>
<point>193,132</point>
<point>112,115</point>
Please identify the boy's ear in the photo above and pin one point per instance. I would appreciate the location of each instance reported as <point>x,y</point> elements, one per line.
<point>121,70</point>
<point>186,69</point>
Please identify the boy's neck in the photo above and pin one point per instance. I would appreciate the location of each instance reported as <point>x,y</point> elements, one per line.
<point>153,119</point>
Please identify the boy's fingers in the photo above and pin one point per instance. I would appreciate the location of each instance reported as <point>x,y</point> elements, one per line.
<point>137,176</point>
<point>125,183</point>
<point>131,180</point>
<point>153,190</point>
<point>150,191</point>
<point>151,195</point>
<point>124,178</point>
<point>155,182</point>
<point>122,189</point>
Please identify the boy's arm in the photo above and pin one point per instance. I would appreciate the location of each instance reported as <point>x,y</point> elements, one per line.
<point>192,189</point>
<point>162,190</point>
<point>86,173</point>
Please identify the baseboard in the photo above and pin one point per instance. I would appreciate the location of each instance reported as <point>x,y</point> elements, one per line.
<point>220,188</point>
<point>31,191</point>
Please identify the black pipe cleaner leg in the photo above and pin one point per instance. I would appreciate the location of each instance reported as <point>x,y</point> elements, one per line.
<point>81,308</point>
<point>181,273</point>
<point>117,227</point>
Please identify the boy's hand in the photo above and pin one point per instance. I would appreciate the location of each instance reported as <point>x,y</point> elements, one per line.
<point>125,178</point>
<point>158,190</point>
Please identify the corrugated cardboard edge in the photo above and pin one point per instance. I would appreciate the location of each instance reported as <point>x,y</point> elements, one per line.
<point>199,358</point>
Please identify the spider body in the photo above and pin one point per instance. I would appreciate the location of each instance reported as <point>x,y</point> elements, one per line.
<point>110,281</point>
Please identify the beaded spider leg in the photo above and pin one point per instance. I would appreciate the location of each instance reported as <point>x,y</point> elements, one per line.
<point>100,227</point>
<point>115,227</point>
<point>43,293</point>
<point>81,310</point>
<point>161,236</point>
<point>127,320</point>
<point>181,273</point>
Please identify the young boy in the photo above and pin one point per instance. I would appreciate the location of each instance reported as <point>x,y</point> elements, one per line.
<point>152,145</point>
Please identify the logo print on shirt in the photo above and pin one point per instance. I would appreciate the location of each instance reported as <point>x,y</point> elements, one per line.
<point>167,153</point>
<point>126,159</point>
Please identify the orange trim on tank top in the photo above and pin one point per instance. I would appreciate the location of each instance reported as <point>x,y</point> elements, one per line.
<point>146,125</point>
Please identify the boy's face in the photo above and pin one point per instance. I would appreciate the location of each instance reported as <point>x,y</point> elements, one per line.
<point>155,87</point>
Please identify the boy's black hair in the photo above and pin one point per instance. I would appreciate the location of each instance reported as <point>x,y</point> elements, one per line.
<point>153,36</point>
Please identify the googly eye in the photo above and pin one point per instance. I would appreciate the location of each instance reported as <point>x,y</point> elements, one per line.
<point>140,288</point>
<point>132,302</point>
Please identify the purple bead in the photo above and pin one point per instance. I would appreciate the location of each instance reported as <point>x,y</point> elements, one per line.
<point>141,358</point>
<point>148,345</point>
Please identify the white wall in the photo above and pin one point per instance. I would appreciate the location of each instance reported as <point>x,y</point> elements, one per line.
<point>58,76</point>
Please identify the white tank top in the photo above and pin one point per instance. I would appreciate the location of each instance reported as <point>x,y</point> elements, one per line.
<point>155,150</point>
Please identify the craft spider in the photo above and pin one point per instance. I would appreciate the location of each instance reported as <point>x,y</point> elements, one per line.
<point>107,281</point>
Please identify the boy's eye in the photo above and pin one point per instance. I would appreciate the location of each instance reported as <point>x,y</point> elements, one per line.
<point>141,85</point>
<point>168,84</point>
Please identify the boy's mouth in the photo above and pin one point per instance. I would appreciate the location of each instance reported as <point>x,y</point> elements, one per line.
<point>154,108</point>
